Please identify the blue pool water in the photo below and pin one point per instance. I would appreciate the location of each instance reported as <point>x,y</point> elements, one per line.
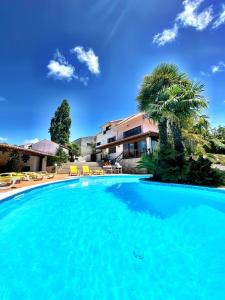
<point>113,238</point>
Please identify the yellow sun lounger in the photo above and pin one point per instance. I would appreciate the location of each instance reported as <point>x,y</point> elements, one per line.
<point>7,182</point>
<point>86,170</point>
<point>74,171</point>
<point>18,176</point>
<point>98,172</point>
<point>34,175</point>
<point>46,174</point>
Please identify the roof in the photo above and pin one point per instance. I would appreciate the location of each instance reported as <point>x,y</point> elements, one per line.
<point>130,118</point>
<point>111,122</point>
<point>7,147</point>
<point>124,120</point>
<point>128,139</point>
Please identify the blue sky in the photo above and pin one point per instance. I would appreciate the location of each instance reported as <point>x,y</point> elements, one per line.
<point>95,54</point>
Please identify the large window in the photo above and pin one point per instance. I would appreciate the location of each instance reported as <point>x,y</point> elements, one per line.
<point>131,132</point>
<point>154,142</point>
<point>136,149</point>
<point>112,139</point>
<point>112,150</point>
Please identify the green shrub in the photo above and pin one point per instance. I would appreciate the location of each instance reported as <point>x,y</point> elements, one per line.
<point>60,158</point>
<point>171,166</point>
<point>202,173</point>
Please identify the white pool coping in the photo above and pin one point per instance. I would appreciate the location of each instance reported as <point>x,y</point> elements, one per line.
<point>11,193</point>
<point>30,187</point>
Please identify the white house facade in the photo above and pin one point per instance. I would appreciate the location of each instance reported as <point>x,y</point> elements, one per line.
<point>126,140</point>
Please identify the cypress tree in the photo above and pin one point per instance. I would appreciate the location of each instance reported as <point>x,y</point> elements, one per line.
<point>60,124</point>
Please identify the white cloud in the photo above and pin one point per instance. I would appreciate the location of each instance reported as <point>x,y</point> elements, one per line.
<point>189,17</point>
<point>59,68</point>
<point>220,67</point>
<point>168,35</point>
<point>2,99</point>
<point>88,57</point>
<point>221,19</point>
<point>3,140</point>
<point>31,141</point>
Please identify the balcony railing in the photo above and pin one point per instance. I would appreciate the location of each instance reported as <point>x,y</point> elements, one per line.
<point>133,153</point>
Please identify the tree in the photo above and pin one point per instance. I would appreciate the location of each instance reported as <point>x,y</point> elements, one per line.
<point>60,158</point>
<point>74,150</point>
<point>184,102</point>
<point>153,94</point>
<point>175,102</point>
<point>60,124</point>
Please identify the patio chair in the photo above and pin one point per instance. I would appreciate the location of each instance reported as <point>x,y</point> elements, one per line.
<point>86,170</point>
<point>74,171</point>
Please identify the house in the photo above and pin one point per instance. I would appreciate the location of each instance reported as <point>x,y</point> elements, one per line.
<point>126,140</point>
<point>25,159</point>
<point>46,146</point>
<point>87,148</point>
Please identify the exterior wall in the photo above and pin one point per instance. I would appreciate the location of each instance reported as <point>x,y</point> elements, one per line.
<point>119,150</point>
<point>130,166</point>
<point>117,130</point>
<point>146,125</point>
<point>44,164</point>
<point>4,156</point>
<point>85,146</point>
<point>103,138</point>
<point>33,162</point>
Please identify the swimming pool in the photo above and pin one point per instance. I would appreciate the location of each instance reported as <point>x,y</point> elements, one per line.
<point>110,238</point>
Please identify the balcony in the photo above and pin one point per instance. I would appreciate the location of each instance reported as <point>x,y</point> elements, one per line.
<point>133,154</point>
<point>132,132</point>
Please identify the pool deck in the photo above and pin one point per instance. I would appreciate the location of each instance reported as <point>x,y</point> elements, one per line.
<point>26,185</point>
<point>23,186</point>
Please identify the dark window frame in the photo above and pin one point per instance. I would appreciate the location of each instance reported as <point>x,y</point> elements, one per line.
<point>112,139</point>
<point>112,150</point>
<point>133,131</point>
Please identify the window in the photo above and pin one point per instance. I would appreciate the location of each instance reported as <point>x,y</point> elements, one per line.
<point>112,139</point>
<point>131,132</point>
<point>112,150</point>
<point>98,144</point>
<point>154,142</point>
<point>136,149</point>
<point>107,129</point>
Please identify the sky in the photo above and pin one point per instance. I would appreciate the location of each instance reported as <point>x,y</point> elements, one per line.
<point>96,53</point>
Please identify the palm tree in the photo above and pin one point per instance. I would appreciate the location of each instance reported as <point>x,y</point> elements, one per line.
<point>74,150</point>
<point>184,102</point>
<point>153,95</point>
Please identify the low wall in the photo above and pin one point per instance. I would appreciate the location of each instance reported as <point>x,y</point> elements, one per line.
<point>130,166</point>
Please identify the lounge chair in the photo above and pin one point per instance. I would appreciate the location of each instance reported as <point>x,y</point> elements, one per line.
<point>98,172</point>
<point>47,175</point>
<point>34,175</point>
<point>86,170</point>
<point>7,182</point>
<point>18,176</point>
<point>74,171</point>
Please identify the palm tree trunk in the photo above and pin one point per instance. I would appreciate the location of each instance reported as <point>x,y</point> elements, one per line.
<point>177,137</point>
<point>163,137</point>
